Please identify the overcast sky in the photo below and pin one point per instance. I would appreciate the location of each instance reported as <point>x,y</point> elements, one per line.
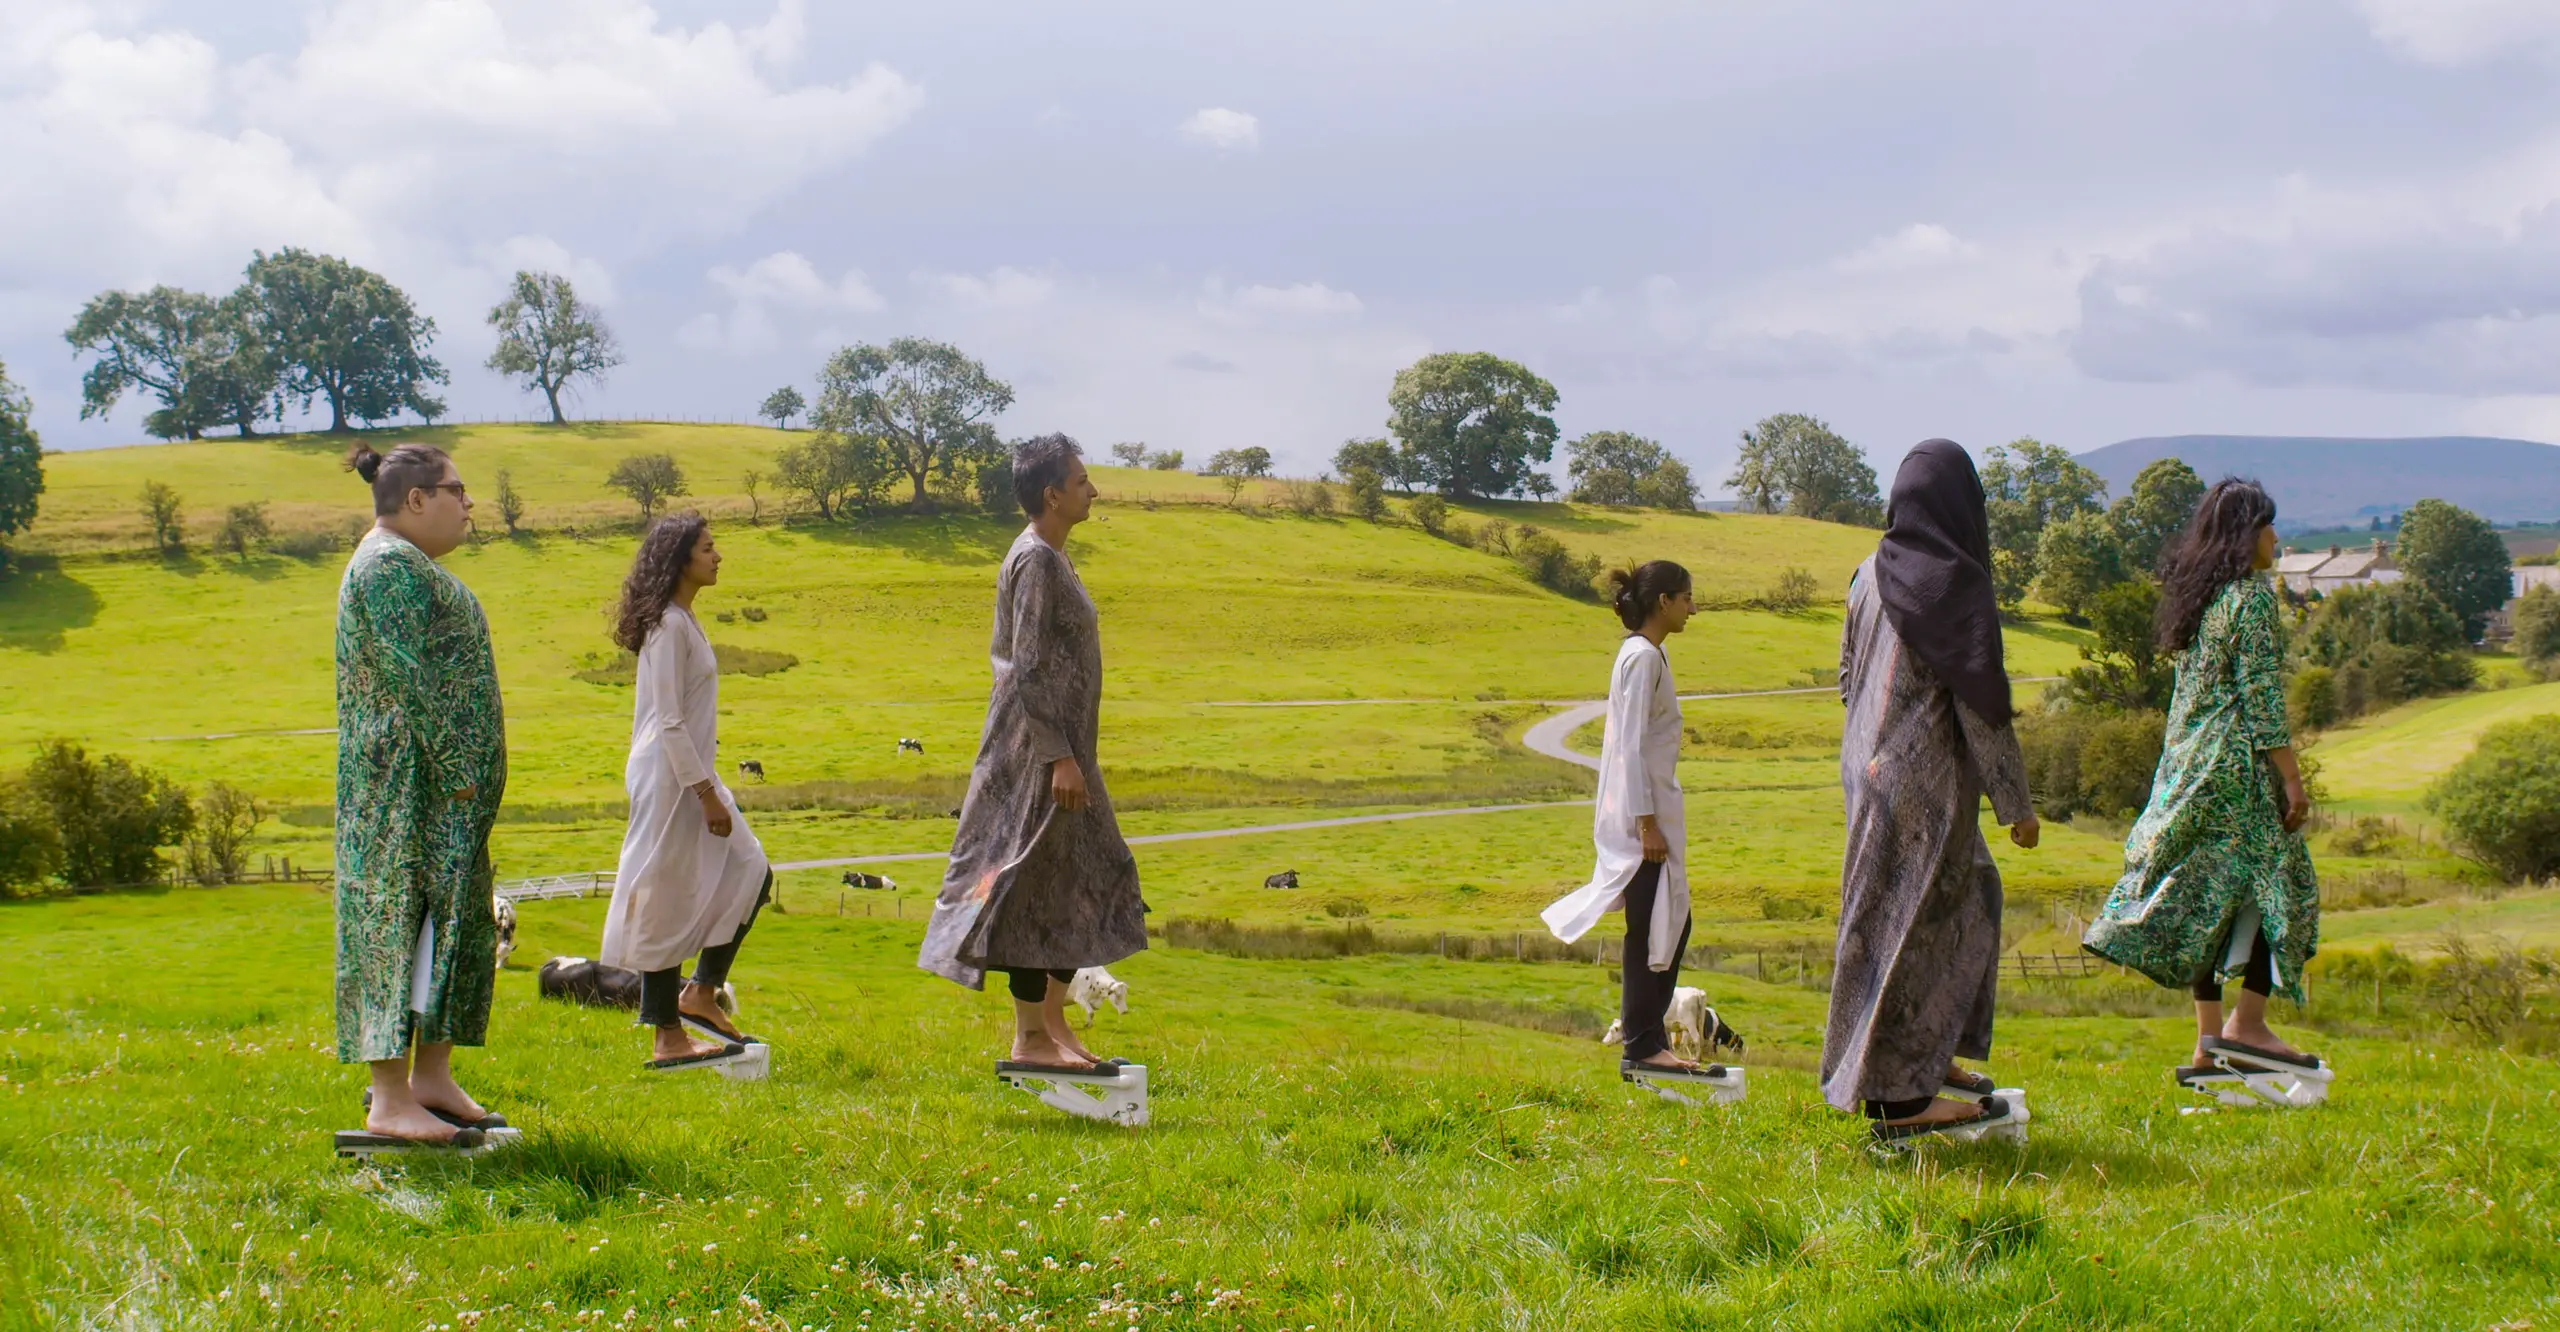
<point>1202,227</point>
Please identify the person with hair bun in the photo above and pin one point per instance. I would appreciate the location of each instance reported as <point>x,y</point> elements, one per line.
<point>691,877</point>
<point>1638,825</point>
<point>1925,680</point>
<point>2217,880</point>
<point>1040,882</point>
<point>422,764</point>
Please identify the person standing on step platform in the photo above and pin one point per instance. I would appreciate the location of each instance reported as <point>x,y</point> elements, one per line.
<point>1040,881</point>
<point>422,764</point>
<point>692,877</point>
<point>2217,880</point>
<point>1927,735</point>
<point>1638,824</point>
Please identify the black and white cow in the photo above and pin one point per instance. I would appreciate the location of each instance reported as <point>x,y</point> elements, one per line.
<point>578,980</point>
<point>1283,879</point>
<point>751,768</point>
<point>858,879</point>
<point>909,746</point>
<point>505,911</point>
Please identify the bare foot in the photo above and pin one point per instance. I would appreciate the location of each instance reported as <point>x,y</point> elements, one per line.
<point>677,1043</point>
<point>1064,1037</point>
<point>413,1122</point>
<point>697,1002</point>
<point>1035,1047</point>
<point>2259,1036</point>
<point>1669,1062</point>
<point>1943,1111</point>
<point>2203,1058</point>
<point>443,1093</point>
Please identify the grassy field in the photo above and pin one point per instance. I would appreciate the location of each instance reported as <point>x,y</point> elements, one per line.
<point>1323,1156</point>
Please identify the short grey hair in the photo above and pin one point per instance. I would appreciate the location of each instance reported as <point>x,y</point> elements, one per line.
<point>1039,463</point>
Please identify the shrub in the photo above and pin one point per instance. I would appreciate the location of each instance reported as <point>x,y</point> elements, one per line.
<point>2366,836</point>
<point>2486,991</point>
<point>1793,591</point>
<point>2311,701</point>
<point>511,501</point>
<point>112,816</point>
<point>163,513</point>
<point>2501,804</point>
<point>30,849</point>
<point>1368,494</point>
<point>2117,762</point>
<point>1169,460</point>
<point>1345,908</point>
<point>2084,762</point>
<point>306,544</point>
<point>217,848</point>
<point>995,488</point>
<point>2403,640</point>
<point>1494,538</point>
<point>243,526</point>
<point>650,479</point>
<point>1308,499</point>
<point>1430,513</point>
<point>1553,567</point>
<point>2537,623</point>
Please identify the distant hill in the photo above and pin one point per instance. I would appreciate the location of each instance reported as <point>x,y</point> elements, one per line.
<point>2338,482</point>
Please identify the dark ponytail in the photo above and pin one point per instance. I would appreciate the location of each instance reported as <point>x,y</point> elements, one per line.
<point>393,475</point>
<point>1635,590</point>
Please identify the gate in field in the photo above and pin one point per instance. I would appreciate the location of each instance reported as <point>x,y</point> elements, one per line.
<point>591,883</point>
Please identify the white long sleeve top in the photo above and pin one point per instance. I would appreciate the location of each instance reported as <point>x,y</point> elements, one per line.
<point>1639,775</point>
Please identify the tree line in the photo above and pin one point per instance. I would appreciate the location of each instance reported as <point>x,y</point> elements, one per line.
<point>304,328</point>
<point>71,821</point>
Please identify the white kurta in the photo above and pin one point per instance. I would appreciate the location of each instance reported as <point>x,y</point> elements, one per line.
<point>1639,775</point>
<point>680,888</point>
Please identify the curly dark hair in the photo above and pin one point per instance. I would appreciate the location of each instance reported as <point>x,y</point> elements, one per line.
<point>2215,550</point>
<point>655,571</point>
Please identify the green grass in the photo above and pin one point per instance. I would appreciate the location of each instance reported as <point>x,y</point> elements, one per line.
<point>1323,1147</point>
<point>2385,763</point>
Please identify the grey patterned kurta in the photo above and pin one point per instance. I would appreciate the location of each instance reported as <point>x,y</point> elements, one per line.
<point>1031,885</point>
<point>418,726</point>
<point>2212,839</point>
<point>1919,952</point>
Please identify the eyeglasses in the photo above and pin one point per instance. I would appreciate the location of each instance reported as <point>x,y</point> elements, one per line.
<point>459,491</point>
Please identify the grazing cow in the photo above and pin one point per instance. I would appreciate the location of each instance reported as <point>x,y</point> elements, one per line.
<point>1695,1030</point>
<point>751,768</point>
<point>596,985</point>
<point>1283,879</point>
<point>506,914</point>
<point>858,879</point>
<point>1094,987</point>
<point>906,746</point>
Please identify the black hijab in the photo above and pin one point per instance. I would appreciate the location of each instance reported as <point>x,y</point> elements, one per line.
<point>1933,570</point>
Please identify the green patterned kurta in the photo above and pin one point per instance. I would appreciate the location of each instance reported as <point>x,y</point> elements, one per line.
<point>418,726</point>
<point>2213,840</point>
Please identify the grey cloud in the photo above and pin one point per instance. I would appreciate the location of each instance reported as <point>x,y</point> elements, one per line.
<point>1204,363</point>
<point>2465,309</point>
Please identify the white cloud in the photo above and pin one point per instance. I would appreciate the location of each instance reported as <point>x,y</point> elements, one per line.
<point>1223,129</point>
<point>1918,246</point>
<point>1298,300</point>
<point>2458,32</point>
<point>783,282</point>
<point>396,131</point>
<point>1001,289</point>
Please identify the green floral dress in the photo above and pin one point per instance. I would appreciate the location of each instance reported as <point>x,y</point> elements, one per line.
<point>2212,841</point>
<point>422,762</point>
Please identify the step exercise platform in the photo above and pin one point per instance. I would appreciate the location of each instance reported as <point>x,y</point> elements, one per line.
<point>1112,1093</point>
<point>1721,1084</point>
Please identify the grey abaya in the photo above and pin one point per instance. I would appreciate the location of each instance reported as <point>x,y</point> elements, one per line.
<point>1031,885</point>
<point>1919,948</point>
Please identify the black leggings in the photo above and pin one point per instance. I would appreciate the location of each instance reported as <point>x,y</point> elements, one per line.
<point>1030,985</point>
<point>2258,979</point>
<point>1644,994</point>
<point>658,988</point>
